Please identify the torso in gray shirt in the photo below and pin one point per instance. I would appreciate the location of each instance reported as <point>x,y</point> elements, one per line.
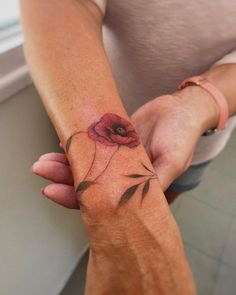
<point>153,45</point>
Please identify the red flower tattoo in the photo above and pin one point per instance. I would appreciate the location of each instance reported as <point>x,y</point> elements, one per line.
<point>113,130</point>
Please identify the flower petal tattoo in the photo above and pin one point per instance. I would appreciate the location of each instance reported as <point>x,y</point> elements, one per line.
<point>113,130</point>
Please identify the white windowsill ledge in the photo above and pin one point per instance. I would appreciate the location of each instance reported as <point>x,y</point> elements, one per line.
<point>13,82</point>
<point>14,75</point>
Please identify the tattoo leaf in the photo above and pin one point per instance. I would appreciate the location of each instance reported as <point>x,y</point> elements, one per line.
<point>84,185</point>
<point>68,143</point>
<point>135,175</point>
<point>145,189</point>
<point>147,168</point>
<point>128,194</point>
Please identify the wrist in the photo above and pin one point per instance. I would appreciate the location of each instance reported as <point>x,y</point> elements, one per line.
<point>202,105</point>
<point>223,77</point>
<point>111,176</point>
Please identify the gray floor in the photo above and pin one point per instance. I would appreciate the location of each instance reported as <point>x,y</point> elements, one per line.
<point>207,221</point>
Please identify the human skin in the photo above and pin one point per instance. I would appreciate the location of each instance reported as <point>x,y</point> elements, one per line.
<point>174,125</point>
<point>135,246</point>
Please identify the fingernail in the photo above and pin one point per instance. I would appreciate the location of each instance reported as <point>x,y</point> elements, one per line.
<point>42,191</point>
<point>34,167</point>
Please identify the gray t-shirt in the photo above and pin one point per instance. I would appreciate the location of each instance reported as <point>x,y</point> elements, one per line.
<point>154,45</point>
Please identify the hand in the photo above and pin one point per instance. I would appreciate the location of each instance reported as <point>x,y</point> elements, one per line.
<point>169,127</point>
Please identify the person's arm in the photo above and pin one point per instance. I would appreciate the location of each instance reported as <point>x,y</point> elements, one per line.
<point>135,246</point>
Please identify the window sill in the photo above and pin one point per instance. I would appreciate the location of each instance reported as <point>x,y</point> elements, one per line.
<point>14,75</point>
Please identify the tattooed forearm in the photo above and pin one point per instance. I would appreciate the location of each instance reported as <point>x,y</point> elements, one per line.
<point>113,130</point>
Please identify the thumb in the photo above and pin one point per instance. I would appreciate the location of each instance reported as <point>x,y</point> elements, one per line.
<point>165,173</point>
<point>168,170</point>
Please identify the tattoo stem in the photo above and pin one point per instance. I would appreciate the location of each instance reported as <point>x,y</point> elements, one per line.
<point>69,140</point>
<point>94,156</point>
<point>107,164</point>
<point>150,178</point>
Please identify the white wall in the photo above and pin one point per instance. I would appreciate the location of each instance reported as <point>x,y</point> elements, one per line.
<point>40,242</point>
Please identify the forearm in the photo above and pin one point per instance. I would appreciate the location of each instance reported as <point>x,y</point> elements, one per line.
<point>74,78</point>
<point>63,47</point>
<point>133,229</point>
<point>64,51</point>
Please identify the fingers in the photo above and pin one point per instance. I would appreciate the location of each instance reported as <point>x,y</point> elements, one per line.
<point>53,171</point>
<point>55,167</point>
<point>61,194</point>
<point>59,157</point>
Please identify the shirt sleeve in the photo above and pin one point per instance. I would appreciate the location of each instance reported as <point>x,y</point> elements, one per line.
<point>227,59</point>
<point>101,4</point>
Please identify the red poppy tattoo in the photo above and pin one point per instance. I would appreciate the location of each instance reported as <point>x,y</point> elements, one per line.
<point>113,130</point>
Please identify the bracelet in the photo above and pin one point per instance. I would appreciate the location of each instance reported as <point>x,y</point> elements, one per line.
<point>216,94</point>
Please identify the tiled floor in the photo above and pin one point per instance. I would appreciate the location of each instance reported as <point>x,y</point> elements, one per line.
<point>207,221</point>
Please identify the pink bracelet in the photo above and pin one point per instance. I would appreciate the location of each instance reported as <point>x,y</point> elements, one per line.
<point>217,95</point>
